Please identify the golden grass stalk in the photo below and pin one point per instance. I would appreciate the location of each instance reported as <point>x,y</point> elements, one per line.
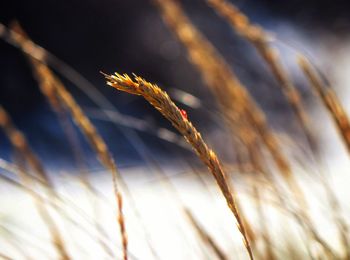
<point>17,170</point>
<point>48,85</point>
<point>38,54</point>
<point>122,226</point>
<point>260,40</point>
<point>161,101</point>
<point>53,88</point>
<point>72,138</point>
<point>341,120</point>
<point>45,76</point>
<point>215,72</point>
<point>48,91</point>
<point>20,144</point>
<point>265,232</point>
<point>329,99</point>
<point>205,236</point>
<point>246,119</point>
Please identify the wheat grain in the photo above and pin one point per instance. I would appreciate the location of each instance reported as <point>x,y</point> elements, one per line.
<point>245,118</point>
<point>161,101</point>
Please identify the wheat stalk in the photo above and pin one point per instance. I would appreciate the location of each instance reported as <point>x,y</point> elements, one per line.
<point>245,118</point>
<point>260,40</point>
<point>48,83</point>
<point>162,102</point>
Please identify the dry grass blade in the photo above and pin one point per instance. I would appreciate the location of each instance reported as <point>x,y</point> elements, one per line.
<point>46,77</point>
<point>17,171</point>
<point>19,142</point>
<point>161,101</point>
<point>205,236</point>
<point>260,40</point>
<point>122,226</point>
<point>48,82</point>
<point>48,91</point>
<point>265,232</point>
<point>341,120</point>
<point>246,119</point>
<point>21,145</point>
<point>329,99</point>
<point>57,94</point>
<point>216,73</point>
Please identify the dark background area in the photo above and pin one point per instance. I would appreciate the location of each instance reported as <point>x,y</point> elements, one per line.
<point>129,36</point>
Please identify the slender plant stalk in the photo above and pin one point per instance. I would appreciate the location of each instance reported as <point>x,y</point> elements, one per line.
<point>21,145</point>
<point>260,39</point>
<point>18,171</point>
<point>48,83</point>
<point>89,131</point>
<point>269,253</point>
<point>122,226</point>
<point>47,90</point>
<point>51,83</point>
<point>329,99</point>
<point>205,236</point>
<point>161,101</point>
<point>342,123</point>
<point>245,118</point>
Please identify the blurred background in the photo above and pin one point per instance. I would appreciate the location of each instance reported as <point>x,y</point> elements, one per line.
<point>86,37</point>
<point>130,36</point>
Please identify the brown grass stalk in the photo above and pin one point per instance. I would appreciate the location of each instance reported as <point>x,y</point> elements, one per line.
<point>246,119</point>
<point>161,101</point>
<point>38,56</point>
<point>19,171</point>
<point>48,91</point>
<point>205,236</point>
<point>45,76</point>
<point>20,144</point>
<point>57,94</point>
<point>265,232</point>
<point>122,226</point>
<point>282,203</point>
<point>342,123</point>
<point>329,99</point>
<point>260,40</point>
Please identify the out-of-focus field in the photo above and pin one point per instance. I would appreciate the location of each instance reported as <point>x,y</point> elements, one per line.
<point>251,166</point>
